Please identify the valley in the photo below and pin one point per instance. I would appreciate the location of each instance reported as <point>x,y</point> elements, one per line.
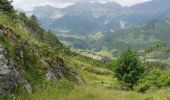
<point>103,30</point>
<point>84,51</point>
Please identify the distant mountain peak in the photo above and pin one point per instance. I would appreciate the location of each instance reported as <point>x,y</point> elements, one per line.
<point>87,17</point>
<point>19,9</point>
<point>44,7</point>
<point>100,3</point>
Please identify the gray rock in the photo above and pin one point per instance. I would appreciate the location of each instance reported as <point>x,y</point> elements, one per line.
<point>1,33</point>
<point>19,58</point>
<point>8,75</point>
<point>54,72</point>
<point>59,64</point>
<point>50,74</point>
<point>28,87</point>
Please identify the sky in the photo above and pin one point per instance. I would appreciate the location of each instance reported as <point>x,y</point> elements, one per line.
<point>28,5</point>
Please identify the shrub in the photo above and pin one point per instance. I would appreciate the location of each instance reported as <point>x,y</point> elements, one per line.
<point>153,80</point>
<point>110,65</point>
<point>129,67</point>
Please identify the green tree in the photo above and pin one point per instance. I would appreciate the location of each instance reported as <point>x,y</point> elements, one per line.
<point>128,67</point>
<point>23,15</point>
<point>34,23</point>
<point>34,19</point>
<point>5,5</point>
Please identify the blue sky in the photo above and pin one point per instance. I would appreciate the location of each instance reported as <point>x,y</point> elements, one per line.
<point>29,4</point>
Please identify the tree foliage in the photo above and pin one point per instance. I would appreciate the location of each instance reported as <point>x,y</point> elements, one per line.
<point>128,67</point>
<point>5,5</point>
<point>34,19</point>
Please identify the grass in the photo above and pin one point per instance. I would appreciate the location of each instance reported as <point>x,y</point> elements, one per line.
<point>100,93</point>
<point>91,92</point>
<point>89,73</point>
<point>15,26</point>
<point>96,88</point>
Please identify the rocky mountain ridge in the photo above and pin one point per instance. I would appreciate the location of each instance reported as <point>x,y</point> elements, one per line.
<point>77,18</point>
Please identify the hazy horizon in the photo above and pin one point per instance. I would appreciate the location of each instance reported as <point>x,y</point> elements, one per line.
<point>28,5</point>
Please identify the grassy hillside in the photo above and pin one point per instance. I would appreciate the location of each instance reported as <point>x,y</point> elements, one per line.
<point>29,46</point>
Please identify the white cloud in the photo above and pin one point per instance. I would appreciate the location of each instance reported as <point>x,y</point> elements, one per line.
<point>130,2</point>
<point>29,4</point>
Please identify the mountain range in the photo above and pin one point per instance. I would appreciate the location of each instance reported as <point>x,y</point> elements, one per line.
<point>85,17</point>
<point>95,27</point>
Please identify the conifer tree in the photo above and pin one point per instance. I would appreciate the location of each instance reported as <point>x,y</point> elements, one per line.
<point>129,67</point>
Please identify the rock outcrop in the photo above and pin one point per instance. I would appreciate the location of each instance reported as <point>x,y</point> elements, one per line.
<point>8,75</point>
<point>54,72</point>
<point>29,62</point>
<point>1,33</point>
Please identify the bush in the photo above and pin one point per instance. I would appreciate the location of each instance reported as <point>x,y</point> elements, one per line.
<point>129,67</point>
<point>153,80</point>
<point>110,65</point>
